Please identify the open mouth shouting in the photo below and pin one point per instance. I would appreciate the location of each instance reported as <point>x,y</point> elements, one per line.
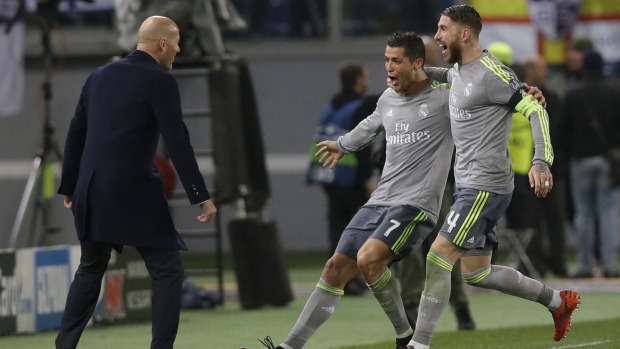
<point>443,47</point>
<point>392,80</point>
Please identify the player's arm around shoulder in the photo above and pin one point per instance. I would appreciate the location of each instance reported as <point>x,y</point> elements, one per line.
<point>438,73</point>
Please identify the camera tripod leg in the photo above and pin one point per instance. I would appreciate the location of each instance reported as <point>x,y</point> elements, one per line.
<point>26,199</point>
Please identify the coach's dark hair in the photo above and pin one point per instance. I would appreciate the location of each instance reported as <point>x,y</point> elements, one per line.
<point>466,15</point>
<point>349,74</point>
<point>411,42</point>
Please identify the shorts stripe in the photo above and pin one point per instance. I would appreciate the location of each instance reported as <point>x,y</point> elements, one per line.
<point>477,278</point>
<point>421,217</point>
<point>432,257</point>
<point>380,284</point>
<point>472,217</point>
<point>331,290</point>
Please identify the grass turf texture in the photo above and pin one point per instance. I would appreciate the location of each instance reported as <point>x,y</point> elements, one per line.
<point>503,322</point>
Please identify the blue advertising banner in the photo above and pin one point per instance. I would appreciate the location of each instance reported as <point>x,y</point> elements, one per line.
<point>52,280</point>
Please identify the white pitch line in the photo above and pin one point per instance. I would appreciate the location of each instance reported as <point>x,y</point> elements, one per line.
<point>581,345</point>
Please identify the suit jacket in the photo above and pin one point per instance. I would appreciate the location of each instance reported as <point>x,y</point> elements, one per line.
<point>108,170</point>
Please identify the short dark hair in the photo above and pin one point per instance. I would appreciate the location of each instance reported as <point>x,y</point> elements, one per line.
<point>411,42</point>
<point>466,15</point>
<point>349,74</point>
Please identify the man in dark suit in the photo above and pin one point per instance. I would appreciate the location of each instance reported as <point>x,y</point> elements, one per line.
<point>113,188</point>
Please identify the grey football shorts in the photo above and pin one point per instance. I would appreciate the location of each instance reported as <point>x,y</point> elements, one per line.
<point>401,227</point>
<point>471,223</point>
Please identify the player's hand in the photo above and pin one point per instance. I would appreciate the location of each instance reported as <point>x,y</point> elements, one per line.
<point>541,179</point>
<point>208,212</point>
<point>537,94</point>
<point>329,153</point>
<point>68,202</point>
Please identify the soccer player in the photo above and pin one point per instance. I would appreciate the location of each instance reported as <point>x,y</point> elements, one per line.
<point>403,209</point>
<point>483,96</point>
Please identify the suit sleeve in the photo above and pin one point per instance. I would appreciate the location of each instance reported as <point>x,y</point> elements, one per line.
<point>74,146</point>
<point>167,108</point>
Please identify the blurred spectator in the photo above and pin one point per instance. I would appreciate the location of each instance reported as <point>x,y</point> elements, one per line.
<point>349,185</point>
<point>570,72</point>
<point>547,249</point>
<point>574,57</point>
<point>589,128</point>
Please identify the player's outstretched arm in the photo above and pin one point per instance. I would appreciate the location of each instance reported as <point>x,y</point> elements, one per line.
<point>329,153</point>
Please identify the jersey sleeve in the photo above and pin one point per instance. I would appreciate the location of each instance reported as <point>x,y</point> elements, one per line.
<point>439,74</point>
<point>539,122</point>
<point>364,133</point>
<point>503,87</point>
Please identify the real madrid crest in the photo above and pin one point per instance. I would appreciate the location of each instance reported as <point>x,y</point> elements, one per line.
<point>423,112</point>
<point>468,89</point>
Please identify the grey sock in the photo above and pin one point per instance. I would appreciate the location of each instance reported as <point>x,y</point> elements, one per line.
<point>387,292</point>
<point>510,281</point>
<point>435,297</point>
<point>320,306</point>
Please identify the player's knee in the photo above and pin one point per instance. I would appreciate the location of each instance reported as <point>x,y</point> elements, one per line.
<point>364,261</point>
<point>336,267</point>
<point>330,266</point>
<point>368,262</point>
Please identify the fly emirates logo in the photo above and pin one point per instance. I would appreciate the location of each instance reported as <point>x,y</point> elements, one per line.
<point>402,135</point>
<point>458,113</point>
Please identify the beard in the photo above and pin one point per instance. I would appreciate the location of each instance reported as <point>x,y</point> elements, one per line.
<point>455,53</point>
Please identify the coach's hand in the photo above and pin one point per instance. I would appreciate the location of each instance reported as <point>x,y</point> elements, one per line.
<point>68,202</point>
<point>208,211</point>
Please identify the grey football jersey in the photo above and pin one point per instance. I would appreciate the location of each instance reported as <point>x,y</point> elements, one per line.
<point>484,94</point>
<point>418,147</point>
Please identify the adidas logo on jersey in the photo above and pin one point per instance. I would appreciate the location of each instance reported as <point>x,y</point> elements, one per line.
<point>471,240</point>
<point>389,113</point>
